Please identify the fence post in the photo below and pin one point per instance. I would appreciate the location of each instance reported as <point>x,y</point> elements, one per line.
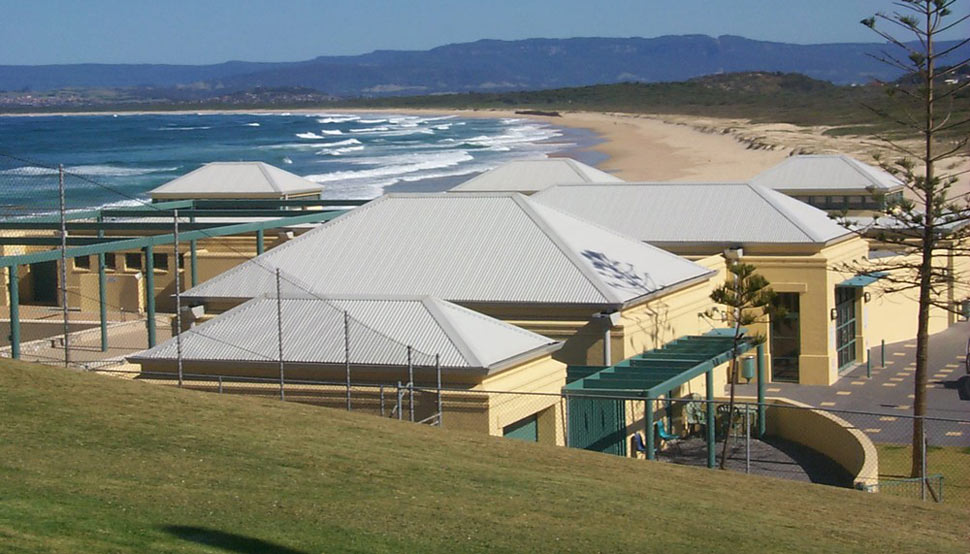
<point>178,294</point>
<point>14,287</point>
<point>400,400</point>
<point>437,368</point>
<point>150,293</point>
<point>63,214</point>
<point>220,384</point>
<point>410,387</point>
<point>709,384</point>
<point>347,354</point>
<point>382,400</point>
<point>922,469</point>
<point>762,422</point>
<point>279,330</point>
<point>747,439</point>
<point>102,300</point>
<point>648,417</point>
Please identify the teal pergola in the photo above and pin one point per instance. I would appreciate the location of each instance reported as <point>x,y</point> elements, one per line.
<point>658,372</point>
<point>107,230</point>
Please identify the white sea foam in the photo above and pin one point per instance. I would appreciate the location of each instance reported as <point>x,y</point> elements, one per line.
<point>331,131</point>
<point>370,129</point>
<point>196,128</point>
<point>344,142</point>
<point>371,121</point>
<point>308,135</point>
<point>396,171</point>
<point>254,124</point>
<point>87,170</point>
<point>339,151</point>
<point>337,118</point>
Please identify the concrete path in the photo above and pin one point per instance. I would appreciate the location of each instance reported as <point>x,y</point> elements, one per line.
<point>889,391</point>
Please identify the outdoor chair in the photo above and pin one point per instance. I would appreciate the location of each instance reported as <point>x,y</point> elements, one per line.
<point>637,446</point>
<point>667,438</point>
<point>695,413</point>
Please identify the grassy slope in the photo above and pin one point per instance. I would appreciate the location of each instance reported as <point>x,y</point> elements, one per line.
<point>953,462</point>
<point>90,463</point>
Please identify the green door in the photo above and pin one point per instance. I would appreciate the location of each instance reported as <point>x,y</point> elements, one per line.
<point>845,319</point>
<point>524,430</point>
<point>45,282</point>
<point>598,424</point>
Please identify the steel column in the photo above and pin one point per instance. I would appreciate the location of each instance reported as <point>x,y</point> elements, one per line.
<point>193,258</point>
<point>648,416</point>
<point>14,287</point>
<point>762,422</point>
<point>260,236</point>
<point>103,302</point>
<point>150,292</point>
<point>709,385</point>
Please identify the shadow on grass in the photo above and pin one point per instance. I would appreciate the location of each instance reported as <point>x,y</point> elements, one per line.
<point>229,542</point>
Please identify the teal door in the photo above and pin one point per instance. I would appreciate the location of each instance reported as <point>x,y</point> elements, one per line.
<point>598,424</point>
<point>524,430</point>
<point>845,319</point>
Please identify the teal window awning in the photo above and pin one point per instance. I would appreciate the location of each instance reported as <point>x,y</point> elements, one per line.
<point>864,280</point>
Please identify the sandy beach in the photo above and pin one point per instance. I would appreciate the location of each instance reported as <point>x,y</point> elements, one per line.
<point>665,147</point>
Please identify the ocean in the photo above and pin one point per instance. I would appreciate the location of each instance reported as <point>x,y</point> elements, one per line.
<point>117,159</point>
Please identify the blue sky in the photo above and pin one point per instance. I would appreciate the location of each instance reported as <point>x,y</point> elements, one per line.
<point>211,31</point>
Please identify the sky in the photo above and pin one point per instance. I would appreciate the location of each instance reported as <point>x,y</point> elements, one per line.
<point>213,31</point>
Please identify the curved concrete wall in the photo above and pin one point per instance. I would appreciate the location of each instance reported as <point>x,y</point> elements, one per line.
<point>828,434</point>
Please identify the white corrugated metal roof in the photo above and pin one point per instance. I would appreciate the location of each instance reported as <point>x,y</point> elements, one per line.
<point>837,173</point>
<point>668,213</point>
<point>490,248</point>
<point>380,330</point>
<point>528,176</point>
<point>242,179</point>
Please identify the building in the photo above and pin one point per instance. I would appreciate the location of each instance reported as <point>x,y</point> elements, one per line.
<point>500,254</point>
<point>530,176</point>
<point>374,341</point>
<point>237,180</point>
<point>836,312</point>
<point>834,183</point>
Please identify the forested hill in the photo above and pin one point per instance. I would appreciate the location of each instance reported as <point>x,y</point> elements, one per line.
<point>485,65</point>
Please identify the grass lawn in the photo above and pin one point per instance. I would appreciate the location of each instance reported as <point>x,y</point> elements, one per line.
<point>953,462</point>
<point>95,464</point>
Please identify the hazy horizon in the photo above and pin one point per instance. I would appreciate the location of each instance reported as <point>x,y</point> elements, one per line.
<point>216,31</point>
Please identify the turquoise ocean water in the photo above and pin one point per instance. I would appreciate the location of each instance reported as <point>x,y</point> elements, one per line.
<point>116,159</point>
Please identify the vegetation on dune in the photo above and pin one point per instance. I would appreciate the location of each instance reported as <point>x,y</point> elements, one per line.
<point>95,464</point>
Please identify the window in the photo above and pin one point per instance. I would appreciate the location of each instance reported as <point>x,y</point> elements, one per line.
<point>133,260</point>
<point>82,262</point>
<point>160,262</point>
<point>109,260</point>
<point>181,261</point>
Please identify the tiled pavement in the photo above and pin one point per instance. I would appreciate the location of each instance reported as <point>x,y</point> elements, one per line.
<point>888,393</point>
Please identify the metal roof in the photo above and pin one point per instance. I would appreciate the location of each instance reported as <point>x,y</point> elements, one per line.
<point>380,330</point>
<point>236,179</point>
<point>528,176</point>
<point>487,248</point>
<point>826,173</point>
<point>685,213</point>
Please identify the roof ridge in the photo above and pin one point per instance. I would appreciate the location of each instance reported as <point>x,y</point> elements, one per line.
<point>576,168</point>
<point>855,165</point>
<point>269,179</point>
<point>584,270</point>
<point>762,192</point>
<point>451,332</point>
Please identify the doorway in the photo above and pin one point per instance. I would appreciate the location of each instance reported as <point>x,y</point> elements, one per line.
<point>785,339</point>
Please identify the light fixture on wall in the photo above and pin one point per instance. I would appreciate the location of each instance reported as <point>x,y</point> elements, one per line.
<point>866,297</point>
<point>834,314</point>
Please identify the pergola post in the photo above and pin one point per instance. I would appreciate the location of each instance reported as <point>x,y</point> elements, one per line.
<point>14,287</point>
<point>102,302</point>
<point>648,416</point>
<point>709,428</point>
<point>193,258</point>
<point>762,423</point>
<point>150,292</point>
<point>260,236</point>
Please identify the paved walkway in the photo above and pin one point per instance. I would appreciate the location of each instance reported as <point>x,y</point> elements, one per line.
<point>889,391</point>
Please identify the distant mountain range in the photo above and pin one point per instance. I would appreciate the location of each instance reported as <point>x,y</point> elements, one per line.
<point>485,65</point>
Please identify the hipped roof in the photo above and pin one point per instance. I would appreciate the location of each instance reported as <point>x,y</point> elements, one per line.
<point>236,180</point>
<point>473,248</point>
<point>379,331</point>
<point>528,176</point>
